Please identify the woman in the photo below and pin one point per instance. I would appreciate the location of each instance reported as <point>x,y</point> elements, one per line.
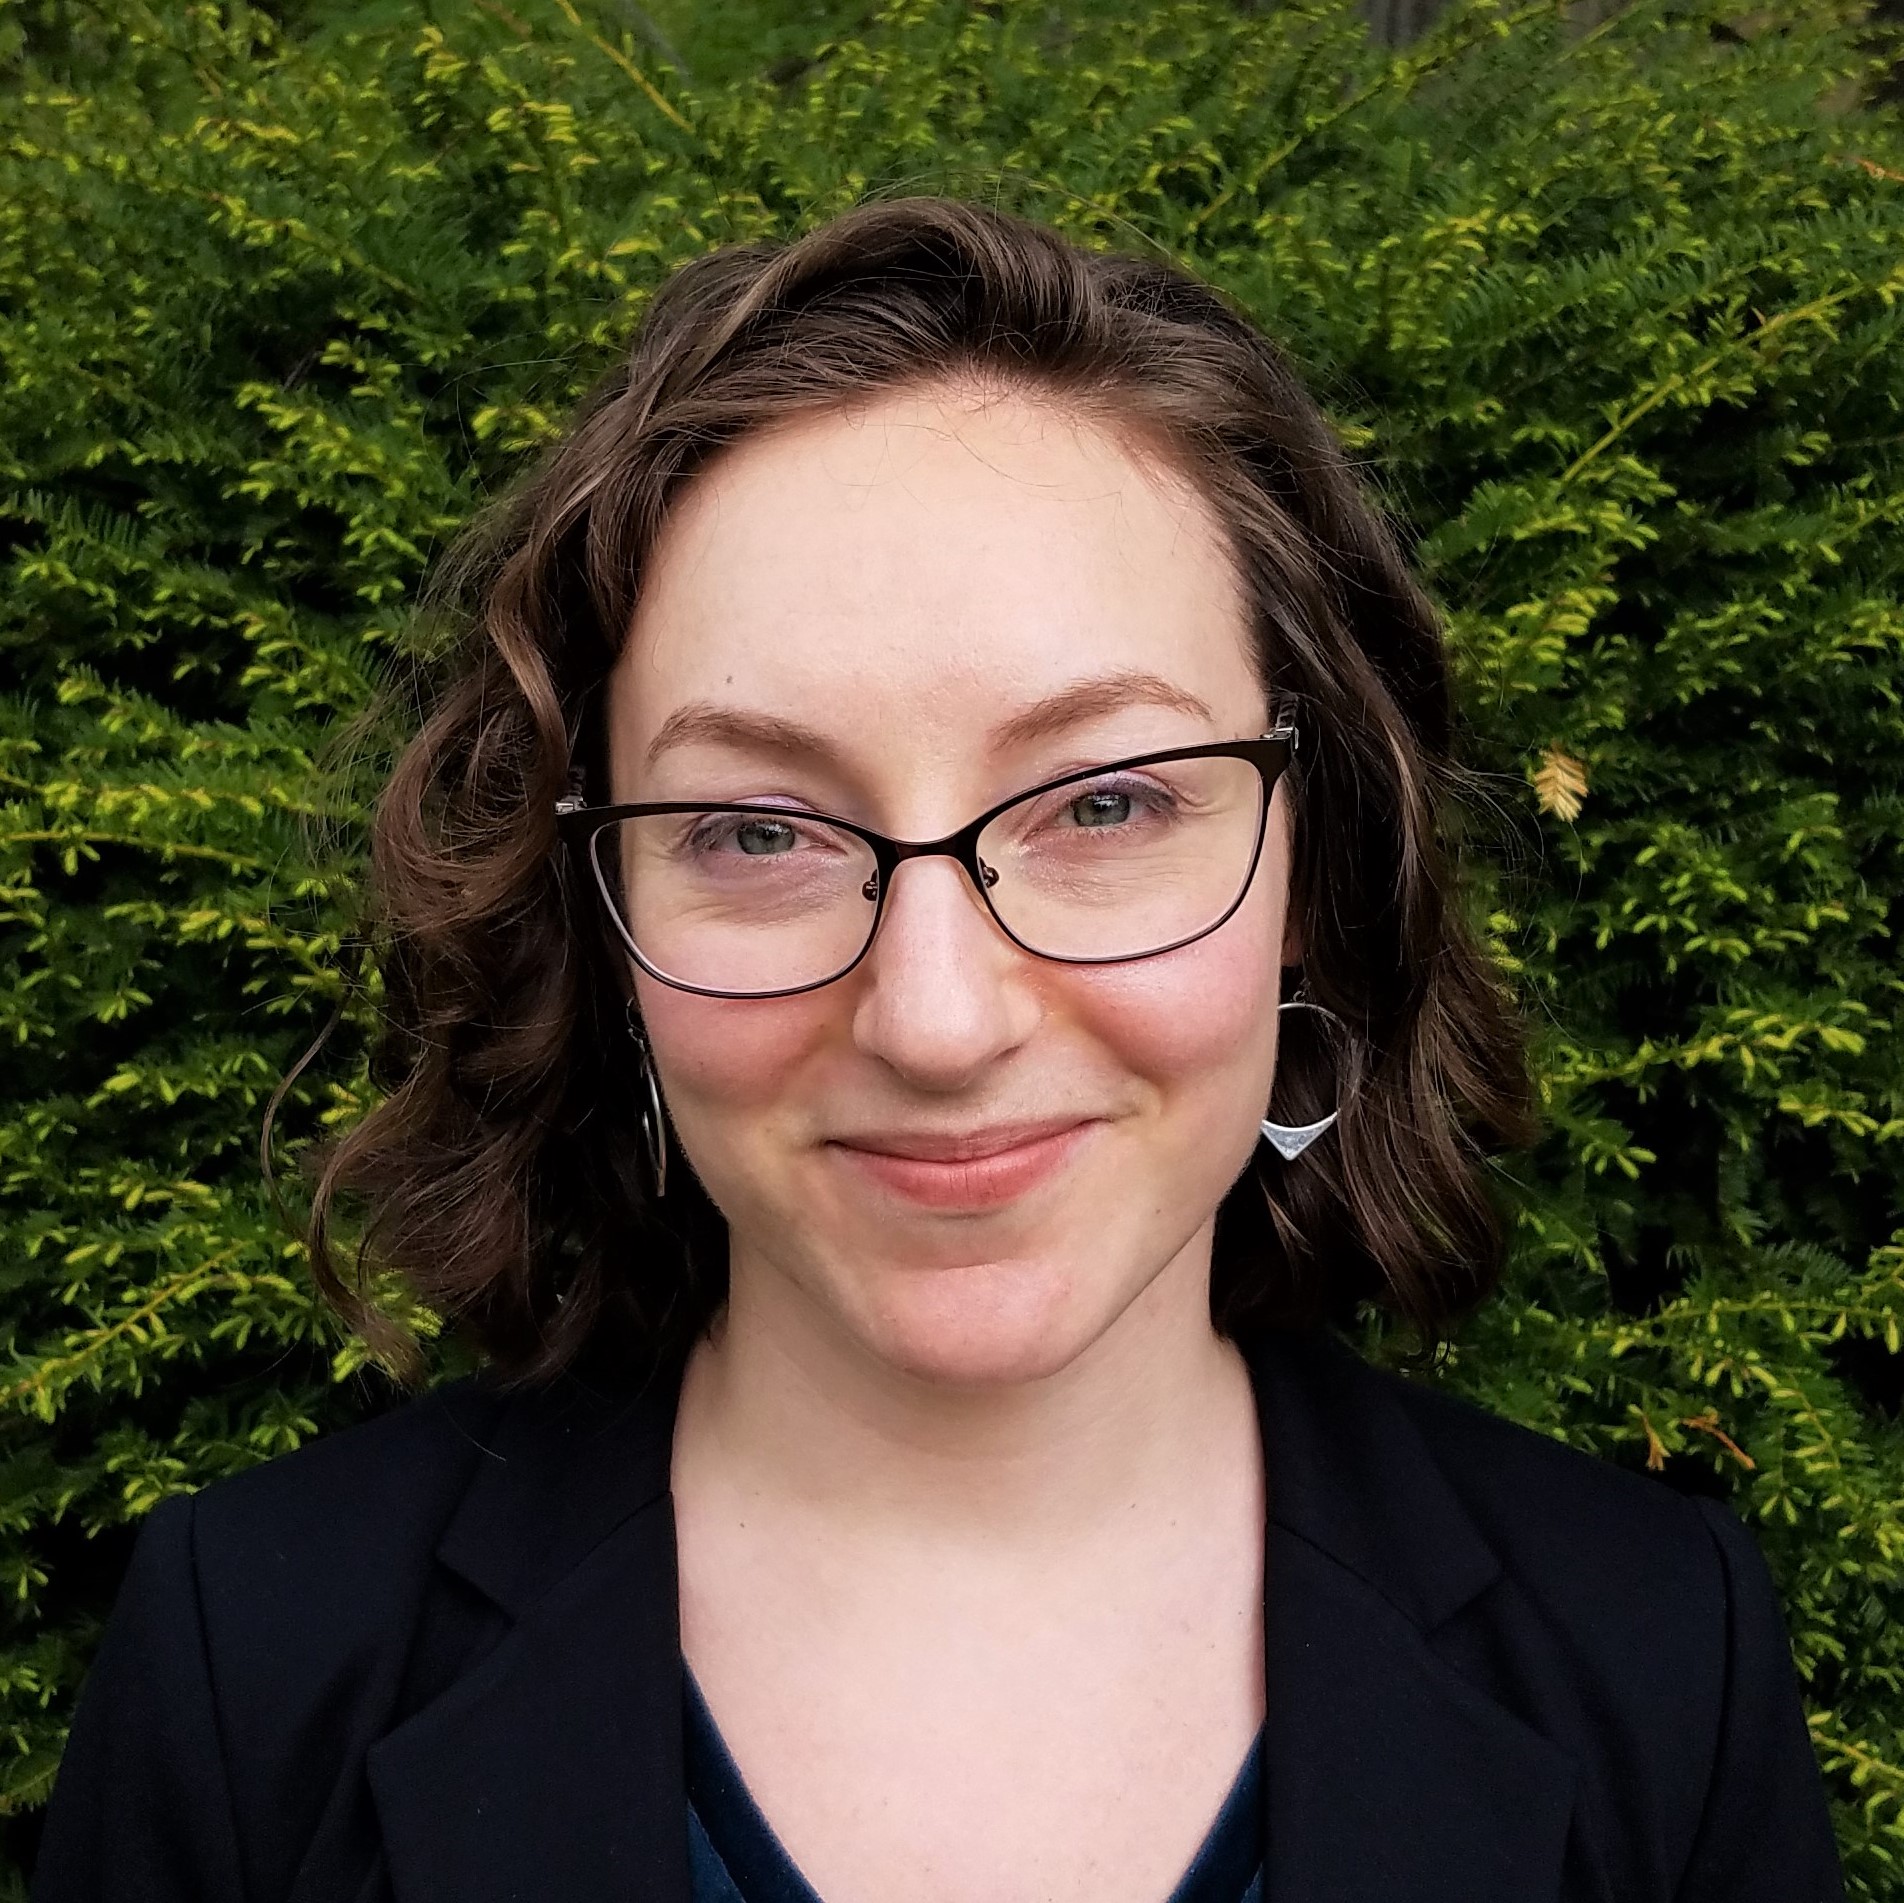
<point>920,983</point>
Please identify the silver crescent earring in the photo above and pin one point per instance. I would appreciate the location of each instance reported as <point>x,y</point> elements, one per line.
<point>1289,1140</point>
<point>654,1128</point>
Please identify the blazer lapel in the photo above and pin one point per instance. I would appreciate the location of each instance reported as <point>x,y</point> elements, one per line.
<point>1389,1774</point>
<point>551,1771</point>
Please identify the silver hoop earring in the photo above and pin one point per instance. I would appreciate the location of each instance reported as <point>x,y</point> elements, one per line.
<point>1289,1140</point>
<point>654,1128</point>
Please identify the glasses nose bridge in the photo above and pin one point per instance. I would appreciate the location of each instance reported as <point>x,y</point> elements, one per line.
<point>960,846</point>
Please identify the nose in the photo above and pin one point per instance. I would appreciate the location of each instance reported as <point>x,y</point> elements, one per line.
<point>944,993</point>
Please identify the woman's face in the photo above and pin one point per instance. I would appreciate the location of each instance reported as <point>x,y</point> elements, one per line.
<point>962,1160</point>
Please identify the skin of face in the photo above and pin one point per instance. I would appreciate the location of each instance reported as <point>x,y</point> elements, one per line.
<point>902,581</point>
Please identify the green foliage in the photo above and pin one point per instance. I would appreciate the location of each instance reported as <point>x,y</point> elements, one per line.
<point>1611,313</point>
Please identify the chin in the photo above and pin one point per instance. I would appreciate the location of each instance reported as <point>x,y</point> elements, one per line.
<point>983,1324</point>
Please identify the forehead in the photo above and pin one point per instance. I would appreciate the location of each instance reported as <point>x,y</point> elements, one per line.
<point>929,564</point>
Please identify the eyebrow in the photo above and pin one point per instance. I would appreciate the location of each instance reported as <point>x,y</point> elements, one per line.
<point>1072,706</point>
<point>1092,700</point>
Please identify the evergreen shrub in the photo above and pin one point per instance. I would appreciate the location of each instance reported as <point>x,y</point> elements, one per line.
<point>1611,313</point>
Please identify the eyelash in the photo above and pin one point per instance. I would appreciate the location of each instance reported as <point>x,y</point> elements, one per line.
<point>1156,797</point>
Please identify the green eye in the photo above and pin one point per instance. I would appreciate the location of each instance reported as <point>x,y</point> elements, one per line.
<point>761,837</point>
<point>1101,809</point>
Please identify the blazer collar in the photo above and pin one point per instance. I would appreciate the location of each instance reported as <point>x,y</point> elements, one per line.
<point>552,1770</point>
<point>1388,1773</point>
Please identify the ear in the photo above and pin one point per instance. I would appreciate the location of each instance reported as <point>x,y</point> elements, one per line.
<point>1292,939</point>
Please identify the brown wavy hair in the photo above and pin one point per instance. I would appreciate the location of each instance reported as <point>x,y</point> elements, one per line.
<point>500,1173</point>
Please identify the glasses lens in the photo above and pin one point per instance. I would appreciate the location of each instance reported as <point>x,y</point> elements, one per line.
<point>739,902</point>
<point>1121,863</point>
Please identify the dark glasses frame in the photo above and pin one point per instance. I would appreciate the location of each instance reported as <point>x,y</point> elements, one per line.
<point>580,826</point>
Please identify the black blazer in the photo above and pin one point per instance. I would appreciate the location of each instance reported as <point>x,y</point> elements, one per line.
<point>436,1657</point>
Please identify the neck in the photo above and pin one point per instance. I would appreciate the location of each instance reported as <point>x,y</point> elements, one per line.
<point>790,1409</point>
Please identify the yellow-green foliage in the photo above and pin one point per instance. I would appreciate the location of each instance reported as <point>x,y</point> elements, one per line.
<point>1613,317</point>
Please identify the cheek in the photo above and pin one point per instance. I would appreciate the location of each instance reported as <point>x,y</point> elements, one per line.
<point>731,1066</point>
<point>1199,1023</point>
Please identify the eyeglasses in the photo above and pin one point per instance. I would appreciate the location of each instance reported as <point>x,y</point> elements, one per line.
<point>765,900</point>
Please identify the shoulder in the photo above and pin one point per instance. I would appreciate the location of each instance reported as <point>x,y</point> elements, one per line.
<point>1547,1506</point>
<point>258,1644</point>
<point>1571,1525</point>
<point>357,1512</point>
<point>1633,1572</point>
<point>1556,1568</point>
<point>476,1493</point>
<point>302,1582</point>
<point>1641,1628</point>
<point>1611,1626</point>
<point>1431,1496</point>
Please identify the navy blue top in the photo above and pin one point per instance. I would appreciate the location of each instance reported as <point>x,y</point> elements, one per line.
<point>734,1856</point>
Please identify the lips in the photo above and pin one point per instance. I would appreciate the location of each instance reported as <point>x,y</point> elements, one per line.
<point>963,1146</point>
<point>971,1170</point>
